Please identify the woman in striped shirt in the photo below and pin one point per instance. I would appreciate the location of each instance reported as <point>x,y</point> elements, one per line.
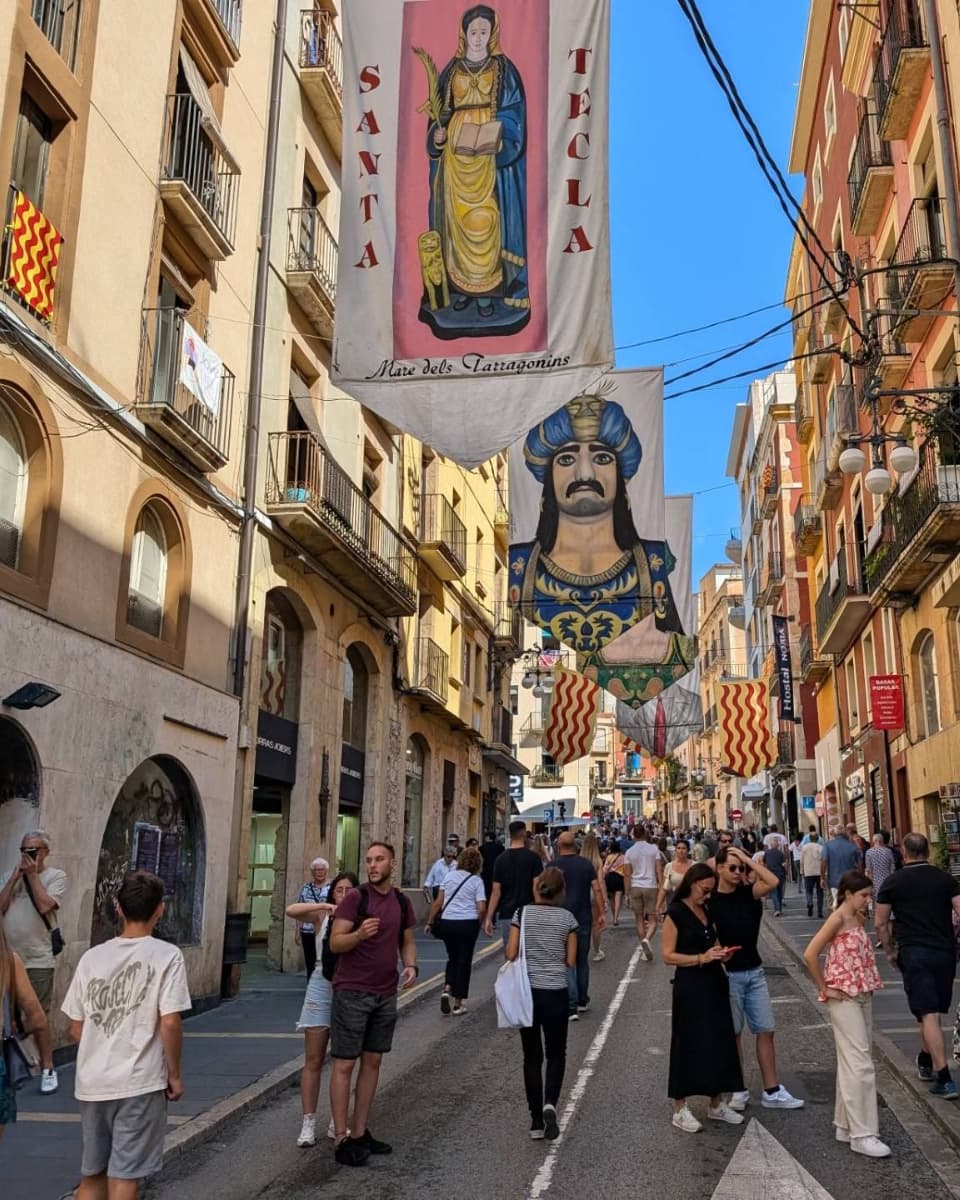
<point>550,946</point>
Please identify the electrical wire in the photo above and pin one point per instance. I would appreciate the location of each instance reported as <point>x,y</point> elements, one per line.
<point>755,373</point>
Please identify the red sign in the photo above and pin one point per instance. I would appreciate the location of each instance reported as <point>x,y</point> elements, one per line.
<point>736,814</point>
<point>886,701</point>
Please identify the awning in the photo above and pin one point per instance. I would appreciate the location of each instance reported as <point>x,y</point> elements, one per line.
<point>537,800</point>
<point>209,121</point>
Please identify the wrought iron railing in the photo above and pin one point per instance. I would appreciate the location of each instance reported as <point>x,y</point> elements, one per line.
<point>774,573</point>
<point>869,151</point>
<point>808,653</point>
<point>321,46</point>
<point>312,247</point>
<point>59,21</point>
<point>508,624</point>
<point>806,519</point>
<point>903,31</point>
<point>191,157</point>
<point>502,727</point>
<point>433,669</point>
<point>837,587</point>
<point>442,525</point>
<point>786,748</point>
<point>230,13</point>
<point>924,237</point>
<point>302,472</point>
<point>548,773</point>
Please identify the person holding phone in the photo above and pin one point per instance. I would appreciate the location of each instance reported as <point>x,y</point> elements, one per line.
<point>701,1000</point>
<point>737,909</point>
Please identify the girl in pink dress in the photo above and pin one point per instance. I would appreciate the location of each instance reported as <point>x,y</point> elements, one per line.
<point>846,985</point>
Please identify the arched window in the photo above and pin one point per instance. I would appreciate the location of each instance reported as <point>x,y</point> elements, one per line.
<point>929,686</point>
<point>355,686</point>
<point>14,478</point>
<point>148,574</point>
<point>413,812</point>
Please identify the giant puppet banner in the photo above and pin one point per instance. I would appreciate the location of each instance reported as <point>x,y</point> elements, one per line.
<point>589,559</point>
<point>473,295</point>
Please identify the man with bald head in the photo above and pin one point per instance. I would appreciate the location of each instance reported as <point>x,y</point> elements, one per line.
<point>583,897</point>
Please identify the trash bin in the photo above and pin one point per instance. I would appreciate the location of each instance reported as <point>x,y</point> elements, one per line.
<point>236,934</point>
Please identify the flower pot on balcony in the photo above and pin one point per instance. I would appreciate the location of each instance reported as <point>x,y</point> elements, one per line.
<point>297,495</point>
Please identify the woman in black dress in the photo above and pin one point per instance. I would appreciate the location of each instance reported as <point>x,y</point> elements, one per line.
<point>703,1047</point>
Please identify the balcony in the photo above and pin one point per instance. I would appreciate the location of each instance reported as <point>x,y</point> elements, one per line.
<point>871,177</point>
<point>432,672</point>
<point>894,359</point>
<point>547,775</point>
<point>801,331</point>
<point>710,718</point>
<point>754,520</point>
<point>531,731</point>
<point>832,311</point>
<point>902,66</point>
<point>771,580</point>
<point>842,607</point>
<point>827,480</point>
<point>821,365</point>
<point>501,520</point>
<point>313,499</point>
<point>734,670</point>
<point>769,491</point>
<point>312,258</point>
<point>507,631</point>
<point>217,24</point>
<point>713,656</point>
<point>198,183</point>
<point>813,668</point>
<point>184,392</point>
<point>807,407</point>
<point>737,616</point>
<point>920,529</point>
<point>786,762</point>
<point>443,541</point>
<point>923,278</point>
<point>59,22</point>
<point>807,527</point>
<point>321,72</point>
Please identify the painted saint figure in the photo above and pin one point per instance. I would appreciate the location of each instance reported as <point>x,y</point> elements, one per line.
<point>476,140</point>
<point>588,576</point>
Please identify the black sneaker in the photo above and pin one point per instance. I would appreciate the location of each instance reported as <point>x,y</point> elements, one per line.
<point>369,1142</point>
<point>445,1003</point>
<point>925,1072</point>
<point>551,1130</point>
<point>351,1152</point>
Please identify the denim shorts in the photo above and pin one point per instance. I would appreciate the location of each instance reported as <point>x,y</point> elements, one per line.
<point>750,1001</point>
<point>317,1003</point>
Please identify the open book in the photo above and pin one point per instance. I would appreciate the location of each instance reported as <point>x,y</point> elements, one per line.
<point>479,139</point>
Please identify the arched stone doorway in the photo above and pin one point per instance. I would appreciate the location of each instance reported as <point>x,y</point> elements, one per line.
<point>415,778</point>
<point>19,791</point>
<point>156,824</point>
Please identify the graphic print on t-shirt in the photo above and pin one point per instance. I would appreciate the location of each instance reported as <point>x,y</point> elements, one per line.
<point>110,1001</point>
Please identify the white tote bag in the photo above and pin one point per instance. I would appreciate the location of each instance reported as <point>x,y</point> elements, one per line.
<point>512,990</point>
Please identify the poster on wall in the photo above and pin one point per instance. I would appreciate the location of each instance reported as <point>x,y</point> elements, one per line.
<point>473,293</point>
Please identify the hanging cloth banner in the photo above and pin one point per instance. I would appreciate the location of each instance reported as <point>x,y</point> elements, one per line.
<point>784,665</point>
<point>663,724</point>
<point>747,743</point>
<point>33,257</point>
<point>473,295</point>
<point>571,723</point>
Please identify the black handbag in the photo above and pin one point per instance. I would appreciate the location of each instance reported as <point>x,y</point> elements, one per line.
<point>436,927</point>
<point>20,1058</point>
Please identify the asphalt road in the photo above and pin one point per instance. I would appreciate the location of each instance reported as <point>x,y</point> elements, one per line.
<point>451,1103</point>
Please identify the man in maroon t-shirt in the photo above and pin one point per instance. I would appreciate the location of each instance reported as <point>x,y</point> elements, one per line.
<point>365,997</point>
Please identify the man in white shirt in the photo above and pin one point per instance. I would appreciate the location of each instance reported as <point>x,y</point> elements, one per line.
<point>30,900</point>
<point>438,873</point>
<point>643,875</point>
<point>124,1005</point>
<point>811,866</point>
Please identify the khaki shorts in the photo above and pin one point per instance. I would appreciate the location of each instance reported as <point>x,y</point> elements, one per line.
<point>41,980</point>
<point>643,901</point>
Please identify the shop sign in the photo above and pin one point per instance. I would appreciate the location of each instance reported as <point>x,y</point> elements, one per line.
<point>276,748</point>
<point>886,701</point>
<point>352,768</point>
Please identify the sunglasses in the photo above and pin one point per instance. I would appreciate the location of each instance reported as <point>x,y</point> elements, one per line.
<point>33,851</point>
<point>736,868</point>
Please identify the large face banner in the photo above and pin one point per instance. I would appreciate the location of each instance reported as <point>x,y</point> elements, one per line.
<point>474,281</point>
<point>590,564</point>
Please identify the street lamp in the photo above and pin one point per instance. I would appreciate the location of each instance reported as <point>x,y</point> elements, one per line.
<point>536,675</point>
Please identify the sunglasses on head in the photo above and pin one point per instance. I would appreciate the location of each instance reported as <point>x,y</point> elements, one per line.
<point>736,867</point>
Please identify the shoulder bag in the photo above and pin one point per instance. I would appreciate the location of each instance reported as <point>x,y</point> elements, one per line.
<point>436,927</point>
<point>20,1057</point>
<point>56,937</point>
<point>512,989</point>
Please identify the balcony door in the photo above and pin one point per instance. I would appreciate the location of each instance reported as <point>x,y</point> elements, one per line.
<point>168,334</point>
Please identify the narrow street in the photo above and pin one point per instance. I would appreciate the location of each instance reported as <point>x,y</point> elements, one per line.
<point>451,1104</point>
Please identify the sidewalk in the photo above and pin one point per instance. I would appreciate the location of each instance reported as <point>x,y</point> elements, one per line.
<point>234,1056</point>
<point>894,1029</point>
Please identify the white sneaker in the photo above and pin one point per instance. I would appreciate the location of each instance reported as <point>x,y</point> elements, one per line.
<point>49,1082</point>
<point>843,1136</point>
<point>645,947</point>
<point>332,1130</point>
<point>739,1101</point>
<point>781,1098</point>
<point>600,956</point>
<point>871,1146</point>
<point>685,1120</point>
<point>308,1132</point>
<point>723,1112</point>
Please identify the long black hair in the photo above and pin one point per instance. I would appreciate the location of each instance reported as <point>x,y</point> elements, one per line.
<point>354,882</point>
<point>696,874</point>
<point>624,531</point>
<point>473,14</point>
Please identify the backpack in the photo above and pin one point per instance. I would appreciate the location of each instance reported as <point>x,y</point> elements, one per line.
<point>328,959</point>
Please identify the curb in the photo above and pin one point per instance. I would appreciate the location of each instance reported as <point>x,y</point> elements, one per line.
<point>892,1058</point>
<point>206,1125</point>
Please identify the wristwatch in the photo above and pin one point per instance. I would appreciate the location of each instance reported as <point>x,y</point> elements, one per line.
<point>413,967</point>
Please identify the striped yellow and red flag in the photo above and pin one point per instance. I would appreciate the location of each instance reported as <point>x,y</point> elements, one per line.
<point>748,745</point>
<point>34,256</point>
<point>572,717</point>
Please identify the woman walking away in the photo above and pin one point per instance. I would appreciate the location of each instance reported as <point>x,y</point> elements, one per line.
<point>775,860</point>
<point>701,1000</point>
<point>612,874</point>
<point>590,850</point>
<point>846,985</point>
<point>455,917</point>
<point>673,873</point>
<point>550,942</point>
<point>317,1003</point>
<point>18,1000</point>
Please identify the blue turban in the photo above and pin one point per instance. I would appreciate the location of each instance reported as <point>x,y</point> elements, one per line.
<point>585,419</point>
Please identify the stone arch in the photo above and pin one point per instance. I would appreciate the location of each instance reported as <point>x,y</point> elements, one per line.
<point>20,783</point>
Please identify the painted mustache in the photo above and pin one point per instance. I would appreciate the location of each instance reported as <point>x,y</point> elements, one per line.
<point>585,485</point>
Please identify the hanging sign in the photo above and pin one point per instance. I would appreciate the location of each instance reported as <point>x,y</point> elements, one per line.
<point>781,647</point>
<point>886,701</point>
<point>473,293</point>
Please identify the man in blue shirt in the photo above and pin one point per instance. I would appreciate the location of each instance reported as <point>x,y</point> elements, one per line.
<point>840,855</point>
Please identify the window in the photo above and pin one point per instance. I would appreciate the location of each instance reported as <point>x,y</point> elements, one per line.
<point>816,181</point>
<point>853,700</point>
<point>466,659</point>
<point>31,150</point>
<point>929,686</point>
<point>869,668</point>
<point>148,574</point>
<point>843,33</point>
<point>355,691</point>
<point>13,488</point>
<point>478,670</point>
<point>413,812</point>
<point>830,114</point>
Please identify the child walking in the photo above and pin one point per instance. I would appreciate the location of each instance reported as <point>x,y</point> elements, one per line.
<point>846,985</point>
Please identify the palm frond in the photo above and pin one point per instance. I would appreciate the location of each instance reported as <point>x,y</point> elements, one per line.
<point>432,106</point>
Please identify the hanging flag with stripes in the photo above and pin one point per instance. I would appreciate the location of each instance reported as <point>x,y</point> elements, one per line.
<point>747,742</point>
<point>33,257</point>
<point>571,722</point>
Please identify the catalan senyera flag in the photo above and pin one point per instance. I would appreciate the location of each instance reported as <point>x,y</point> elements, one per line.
<point>572,718</point>
<point>748,744</point>
<point>34,256</point>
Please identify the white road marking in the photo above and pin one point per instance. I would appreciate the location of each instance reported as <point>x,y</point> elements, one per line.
<point>764,1170</point>
<point>544,1177</point>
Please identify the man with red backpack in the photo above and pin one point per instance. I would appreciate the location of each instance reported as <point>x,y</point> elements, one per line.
<point>372,925</point>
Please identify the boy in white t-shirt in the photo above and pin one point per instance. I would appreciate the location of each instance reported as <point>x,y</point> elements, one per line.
<point>124,1006</point>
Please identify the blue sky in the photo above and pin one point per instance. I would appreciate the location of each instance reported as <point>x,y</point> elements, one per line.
<point>696,232</point>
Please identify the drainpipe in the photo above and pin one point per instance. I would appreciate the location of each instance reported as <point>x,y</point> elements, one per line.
<point>252,441</point>
<point>951,190</point>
